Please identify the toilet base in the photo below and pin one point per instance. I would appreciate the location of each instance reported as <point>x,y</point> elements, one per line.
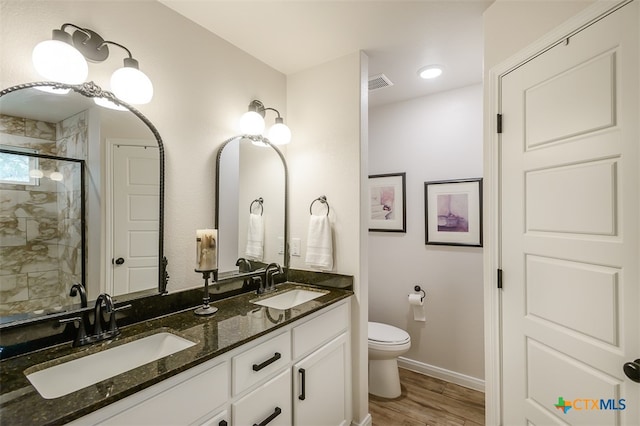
<point>384,379</point>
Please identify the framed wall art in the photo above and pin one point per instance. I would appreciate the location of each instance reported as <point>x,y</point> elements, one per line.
<point>453,212</point>
<point>387,206</point>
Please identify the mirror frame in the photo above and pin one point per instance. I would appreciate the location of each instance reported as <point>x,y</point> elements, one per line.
<point>91,90</point>
<point>286,194</point>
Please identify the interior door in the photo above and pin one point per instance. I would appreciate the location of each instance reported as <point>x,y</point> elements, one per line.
<point>570,229</point>
<point>135,186</point>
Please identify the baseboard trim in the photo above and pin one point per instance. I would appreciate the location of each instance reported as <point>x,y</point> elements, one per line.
<point>367,421</point>
<point>441,373</point>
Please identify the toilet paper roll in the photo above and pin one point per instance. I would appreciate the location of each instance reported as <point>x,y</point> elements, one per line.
<point>417,305</point>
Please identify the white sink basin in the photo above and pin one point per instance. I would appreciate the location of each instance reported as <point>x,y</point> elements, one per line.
<point>62,379</point>
<point>290,298</point>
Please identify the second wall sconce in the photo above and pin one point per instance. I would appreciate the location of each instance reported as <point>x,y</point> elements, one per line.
<point>252,123</point>
<point>64,59</point>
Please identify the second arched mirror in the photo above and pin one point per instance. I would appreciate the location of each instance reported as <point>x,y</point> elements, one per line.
<point>251,205</point>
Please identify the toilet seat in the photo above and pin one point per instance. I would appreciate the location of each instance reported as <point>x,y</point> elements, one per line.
<point>385,334</point>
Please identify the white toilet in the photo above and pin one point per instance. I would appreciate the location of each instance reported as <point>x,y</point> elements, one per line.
<point>386,344</point>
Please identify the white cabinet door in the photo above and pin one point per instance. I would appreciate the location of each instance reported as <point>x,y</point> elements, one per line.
<point>321,385</point>
<point>269,404</point>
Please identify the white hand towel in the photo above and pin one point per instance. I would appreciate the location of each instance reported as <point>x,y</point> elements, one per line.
<point>255,237</point>
<point>319,243</point>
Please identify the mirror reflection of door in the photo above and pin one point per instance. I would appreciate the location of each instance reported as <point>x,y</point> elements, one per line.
<point>134,179</point>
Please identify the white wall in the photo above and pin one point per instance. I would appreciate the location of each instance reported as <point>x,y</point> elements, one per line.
<point>202,86</point>
<point>324,106</point>
<point>436,137</point>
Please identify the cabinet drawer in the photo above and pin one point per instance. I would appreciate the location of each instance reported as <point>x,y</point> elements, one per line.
<point>184,403</point>
<point>319,330</point>
<point>260,362</point>
<point>270,402</point>
<point>220,419</point>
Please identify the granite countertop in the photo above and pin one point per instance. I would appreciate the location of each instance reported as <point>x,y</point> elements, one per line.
<point>237,322</point>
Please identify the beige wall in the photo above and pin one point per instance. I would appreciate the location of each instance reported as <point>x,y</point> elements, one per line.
<point>431,138</point>
<point>511,25</point>
<point>324,107</point>
<point>202,86</point>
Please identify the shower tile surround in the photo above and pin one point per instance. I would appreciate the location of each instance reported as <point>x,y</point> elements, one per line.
<point>40,234</point>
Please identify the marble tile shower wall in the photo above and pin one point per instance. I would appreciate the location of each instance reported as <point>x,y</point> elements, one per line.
<point>39,226</point>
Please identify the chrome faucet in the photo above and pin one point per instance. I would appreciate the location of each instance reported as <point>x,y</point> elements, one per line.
<point>269,285</point>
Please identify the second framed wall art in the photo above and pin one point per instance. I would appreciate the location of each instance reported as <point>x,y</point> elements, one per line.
<point>453,212</point>
<point>387,204</point>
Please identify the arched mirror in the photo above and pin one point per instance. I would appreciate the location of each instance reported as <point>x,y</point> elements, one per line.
<point>49,238</point>
<point>251,205</point>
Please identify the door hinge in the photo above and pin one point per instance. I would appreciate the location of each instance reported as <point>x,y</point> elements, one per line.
<point>499,123</point>
<point>499,278</point>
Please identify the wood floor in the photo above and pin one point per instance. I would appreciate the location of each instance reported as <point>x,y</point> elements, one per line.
<point>428,401</point>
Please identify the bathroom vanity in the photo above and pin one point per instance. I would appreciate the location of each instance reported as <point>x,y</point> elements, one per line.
<point>249,364</point>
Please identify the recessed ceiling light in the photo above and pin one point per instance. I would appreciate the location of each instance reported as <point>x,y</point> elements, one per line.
<point>430,71</point>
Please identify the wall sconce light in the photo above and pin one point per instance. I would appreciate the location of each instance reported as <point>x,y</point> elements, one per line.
<point>252,123</point>
<point>64,59</point>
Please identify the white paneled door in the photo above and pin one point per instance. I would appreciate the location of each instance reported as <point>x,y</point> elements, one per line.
<point>135,188</point>
<point>570,225</point>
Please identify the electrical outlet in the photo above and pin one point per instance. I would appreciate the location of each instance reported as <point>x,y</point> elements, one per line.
<point>280,245</point>
<point>295,247</point>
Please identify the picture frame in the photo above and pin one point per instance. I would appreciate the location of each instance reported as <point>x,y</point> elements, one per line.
<point>388,206</point>
<point>453,212</point>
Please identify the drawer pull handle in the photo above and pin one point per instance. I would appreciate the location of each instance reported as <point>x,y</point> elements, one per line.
<point>274,358</point>
<point>223,423</point>
<point>301,397</point>
<point>266,421</point>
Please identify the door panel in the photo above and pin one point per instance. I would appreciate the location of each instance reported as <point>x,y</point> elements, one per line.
<point>597,314</point>
<point>135,218</point>
<point>570,229</point>
<point>588,87</point>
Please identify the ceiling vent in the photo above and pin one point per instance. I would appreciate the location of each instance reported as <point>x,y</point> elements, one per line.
<point>379,81</point>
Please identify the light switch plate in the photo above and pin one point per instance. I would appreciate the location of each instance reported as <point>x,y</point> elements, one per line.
<point>280,245</point>
<point>295,247</point>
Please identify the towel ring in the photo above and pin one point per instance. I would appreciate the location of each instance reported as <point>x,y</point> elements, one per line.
<point>259,201</point>
<point>323,200</point>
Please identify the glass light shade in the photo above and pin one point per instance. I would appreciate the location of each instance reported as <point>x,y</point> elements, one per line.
<point>59,61</point>
<point>57,176</point>
<point>251,123</point>
<point>36,173</point>
<point>106,103</point>
<point>131,85</point>
<point>279,134</point>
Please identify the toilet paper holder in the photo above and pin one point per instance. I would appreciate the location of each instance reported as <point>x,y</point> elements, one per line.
<point>418,289</point>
